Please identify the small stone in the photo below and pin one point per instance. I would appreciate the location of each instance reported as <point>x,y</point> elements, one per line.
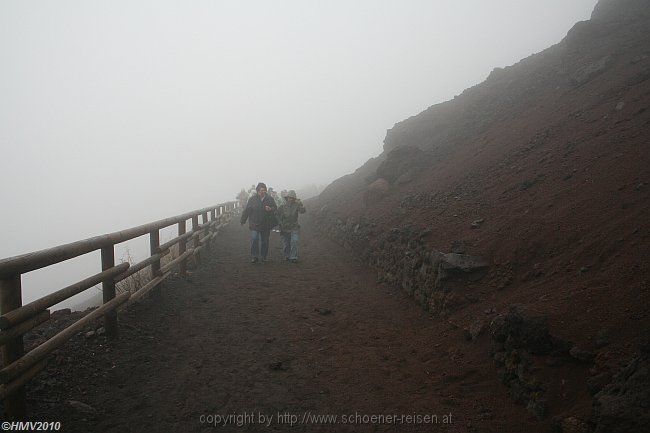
<point>476,329</point>
<point>581,355</point>
<point>597,382</point>
<point>583,269</point>
<point>90,334</point>
<point>602,339</point>
<point>485,414</point>
<point>278,366</point>
<point>620,106</point>
<point>62,312</point>
<point>538,407</point>
<point>477,223</point>
<point>81,407</point>
<point>101,331</point>
<point>573,425</point>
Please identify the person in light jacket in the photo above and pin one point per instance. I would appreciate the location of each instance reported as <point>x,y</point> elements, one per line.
<point>289,228</point>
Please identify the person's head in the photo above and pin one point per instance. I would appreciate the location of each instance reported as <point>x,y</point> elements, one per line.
<point>291,196</point>
<point>261,189</point>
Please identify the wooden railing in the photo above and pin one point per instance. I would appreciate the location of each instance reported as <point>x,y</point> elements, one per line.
<point>17,319</point>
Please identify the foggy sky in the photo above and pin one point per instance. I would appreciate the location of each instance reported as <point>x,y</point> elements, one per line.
<point>113,114</point>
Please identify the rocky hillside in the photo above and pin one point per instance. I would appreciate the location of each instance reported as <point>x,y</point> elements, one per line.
<point>520,209</point>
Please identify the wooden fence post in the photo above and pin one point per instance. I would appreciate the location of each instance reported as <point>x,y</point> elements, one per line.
<point>154,247</point>
<point>215,223</point>
<point>182,265</point>
<point>15,406</point>
<point>108,291</point>
<point>197,255</point>
<point>206,230</point>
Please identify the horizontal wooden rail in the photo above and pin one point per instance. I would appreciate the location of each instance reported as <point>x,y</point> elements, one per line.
<point>177,260</point>
<point>23,327</point>
<point>18,315</point>
<point>40,259</point>
<point>185,236</point>
<point>205,239</point>
<point>148,287</point>
<point>175,240</point>
<point>17,319</point>
<point>141,265</point>
<point>19,366</point>
<point>22,380</point>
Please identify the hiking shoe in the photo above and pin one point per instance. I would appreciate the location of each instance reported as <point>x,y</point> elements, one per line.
<point>264,260</point>
<point>254,260</point>
<point>293,260</point>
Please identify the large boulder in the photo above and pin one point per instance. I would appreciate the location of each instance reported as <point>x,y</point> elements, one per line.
<point>516,337</point>
<point>517,330</point>
<point>462,262</point>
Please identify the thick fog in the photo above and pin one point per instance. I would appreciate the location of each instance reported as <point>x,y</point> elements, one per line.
<point>114,114</point>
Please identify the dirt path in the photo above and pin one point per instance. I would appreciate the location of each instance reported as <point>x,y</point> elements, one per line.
<point>314,338</point>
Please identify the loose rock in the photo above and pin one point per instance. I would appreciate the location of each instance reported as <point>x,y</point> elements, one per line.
<point>81,407</point>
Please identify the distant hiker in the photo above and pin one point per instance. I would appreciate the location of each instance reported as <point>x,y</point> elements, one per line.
<point>278,202</point>
<point>289,228</point>
<point>242,197</point>
<point>274,195</point>
<point>260,213</point>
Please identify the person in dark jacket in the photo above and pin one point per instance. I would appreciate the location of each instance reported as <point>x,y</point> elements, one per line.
<point>289,227</point>
<point>260,213</point>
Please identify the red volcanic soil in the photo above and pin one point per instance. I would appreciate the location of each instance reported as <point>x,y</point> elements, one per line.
<point>544,171</point>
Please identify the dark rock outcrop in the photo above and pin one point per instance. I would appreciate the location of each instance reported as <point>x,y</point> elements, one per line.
<point>516,338</point>
<point>624,404</point>
<point>403,164</point>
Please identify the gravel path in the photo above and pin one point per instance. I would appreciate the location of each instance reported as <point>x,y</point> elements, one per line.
<point>287,341</point>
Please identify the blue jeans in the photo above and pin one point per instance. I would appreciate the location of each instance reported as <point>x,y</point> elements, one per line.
<point>256,237</point>
<point>290,244</point>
